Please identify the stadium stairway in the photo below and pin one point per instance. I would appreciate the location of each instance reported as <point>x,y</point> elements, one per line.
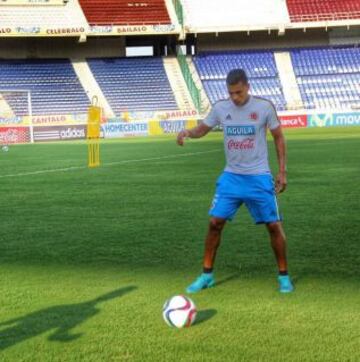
<point>5,109</point>
<point>214,15</point>
<point>205,102</point>
<point>90,85</point>
<point>177,83</point>
<point>288,80</point>
<point>171,11</point>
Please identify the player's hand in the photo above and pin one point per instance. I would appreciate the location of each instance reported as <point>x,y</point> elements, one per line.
<point>180,137</point>
<point>280,182</point>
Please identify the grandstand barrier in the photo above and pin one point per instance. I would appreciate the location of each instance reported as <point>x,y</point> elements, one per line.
<point>59,133</point>
<point>108,30</point>
<point>14,135</point>
<point>112,30</point>
<point>294,121</point>
<point>41,31</point>
<point>67,128</point>
<point>334,119</point>
<point>98,30</point>
<point>124,129</point>
<point>134,116</point>
<point>157,128</point>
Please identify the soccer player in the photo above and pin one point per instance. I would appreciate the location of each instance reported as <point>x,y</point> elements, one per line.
<point>246,178</point>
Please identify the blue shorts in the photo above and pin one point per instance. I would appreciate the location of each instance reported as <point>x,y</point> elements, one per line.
<point>256,191</point>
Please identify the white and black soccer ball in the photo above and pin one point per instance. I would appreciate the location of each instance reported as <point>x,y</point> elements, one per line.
<point>179,311</point>
<point>5,148</point>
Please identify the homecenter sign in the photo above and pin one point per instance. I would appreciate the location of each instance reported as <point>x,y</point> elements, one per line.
<point>123,129</point>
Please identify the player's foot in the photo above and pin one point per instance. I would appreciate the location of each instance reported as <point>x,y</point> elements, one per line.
<point>285,285</point>
<point>205,280</point>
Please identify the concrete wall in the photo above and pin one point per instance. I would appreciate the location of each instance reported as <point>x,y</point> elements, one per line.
<point>344,36</point>
<point>20,48</point>
<point>261,40</point>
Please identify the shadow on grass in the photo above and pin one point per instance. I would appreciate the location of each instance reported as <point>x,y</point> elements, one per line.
<point>227,279</point>
<point>62,318</point>
<point>204,315</point>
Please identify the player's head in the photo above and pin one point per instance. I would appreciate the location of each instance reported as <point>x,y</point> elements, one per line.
<point>238,86</point>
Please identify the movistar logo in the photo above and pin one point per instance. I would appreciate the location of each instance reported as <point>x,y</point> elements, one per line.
<point>240,130</point>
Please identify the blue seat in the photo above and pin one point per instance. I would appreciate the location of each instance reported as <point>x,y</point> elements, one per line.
<point>53,84</point>
<point>336,70</point>
<point>134,84</point>
<point>259,65</point>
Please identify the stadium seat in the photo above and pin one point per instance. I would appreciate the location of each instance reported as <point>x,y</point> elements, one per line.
<point>134,84</point>
<point>125,12</point>
<point>319,10</point>
<point>54,87</point>
<point>328,77</point>
<point>259,65</point>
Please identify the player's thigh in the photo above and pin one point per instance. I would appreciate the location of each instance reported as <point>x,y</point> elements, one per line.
<point>224,207</point>
<point>261,200</point>
<point>264,210</point>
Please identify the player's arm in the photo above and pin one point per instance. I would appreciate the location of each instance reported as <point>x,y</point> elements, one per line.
<point>197,132</point>
<point>280,146</point>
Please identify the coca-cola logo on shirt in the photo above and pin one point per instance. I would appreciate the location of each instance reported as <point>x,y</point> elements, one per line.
<point>245,144</point>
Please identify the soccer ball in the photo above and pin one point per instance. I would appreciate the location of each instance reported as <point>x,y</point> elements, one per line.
<point>179,311</point>
<point>5,148</point>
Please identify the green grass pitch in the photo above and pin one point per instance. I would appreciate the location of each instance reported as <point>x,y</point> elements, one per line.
<point>89,256</point>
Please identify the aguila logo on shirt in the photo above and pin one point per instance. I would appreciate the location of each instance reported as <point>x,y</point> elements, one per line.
<point>254,116</point>
<point>240,130</point>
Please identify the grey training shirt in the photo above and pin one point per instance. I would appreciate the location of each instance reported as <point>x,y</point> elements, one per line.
<point>245,133</point>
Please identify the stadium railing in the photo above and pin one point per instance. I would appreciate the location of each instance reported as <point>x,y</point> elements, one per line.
<point>179,11</point>
<point>193,90</point>
<point>300,18</point>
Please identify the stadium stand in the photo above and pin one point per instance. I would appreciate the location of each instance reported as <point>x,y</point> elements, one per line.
<point>319,10</point>
<point>226,14</point>
<point>328,77</point>
<point>30,19</point>
<point>259,65</point>
<point>134,84</point>
<point>54,86</point>
<point>125,12</point>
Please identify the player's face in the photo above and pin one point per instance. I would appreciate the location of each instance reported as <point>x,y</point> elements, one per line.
<point>239,93</point>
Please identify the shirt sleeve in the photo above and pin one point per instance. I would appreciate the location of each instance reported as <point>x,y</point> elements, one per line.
<point>272,120</point>
<point>212,118</point>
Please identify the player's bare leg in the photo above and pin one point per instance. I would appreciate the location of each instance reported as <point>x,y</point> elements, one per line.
<point>212,242</point>
<point>278,243</point>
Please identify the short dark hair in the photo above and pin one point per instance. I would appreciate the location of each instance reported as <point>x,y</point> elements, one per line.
<point>235,76</point>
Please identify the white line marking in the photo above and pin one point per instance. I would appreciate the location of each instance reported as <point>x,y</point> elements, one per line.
<point>109,164</point>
